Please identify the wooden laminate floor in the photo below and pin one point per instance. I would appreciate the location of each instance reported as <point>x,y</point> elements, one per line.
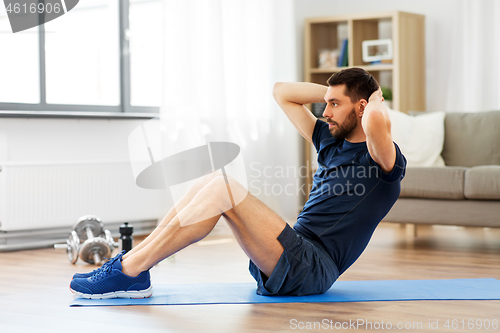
<point>34,294</point>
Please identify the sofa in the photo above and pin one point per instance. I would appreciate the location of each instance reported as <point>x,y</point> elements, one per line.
<point>464,192</point>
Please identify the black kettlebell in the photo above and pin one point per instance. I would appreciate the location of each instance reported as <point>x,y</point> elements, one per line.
<point>126,239</point>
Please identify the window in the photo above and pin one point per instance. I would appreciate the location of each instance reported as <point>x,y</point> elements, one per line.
<point>82,65</point>
<point>103,55</point>
<point>19,65</point>
<point>145,37</point>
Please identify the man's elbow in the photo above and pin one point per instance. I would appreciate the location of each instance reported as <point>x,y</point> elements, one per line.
<point>374,121</point>
<point>375,110</point>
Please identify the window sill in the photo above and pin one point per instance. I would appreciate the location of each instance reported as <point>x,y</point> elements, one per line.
<point>79,115</point>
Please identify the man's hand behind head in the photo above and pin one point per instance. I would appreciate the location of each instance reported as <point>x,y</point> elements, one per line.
<point>376,96</point>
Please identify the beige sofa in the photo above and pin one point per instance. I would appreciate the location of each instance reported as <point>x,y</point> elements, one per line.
<point>467,191</point>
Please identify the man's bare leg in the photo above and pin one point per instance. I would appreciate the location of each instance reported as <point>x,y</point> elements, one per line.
<point>255,226</point>
<point>183,202</point>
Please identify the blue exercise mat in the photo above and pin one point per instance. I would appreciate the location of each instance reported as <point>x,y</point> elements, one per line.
<point>341,291</point>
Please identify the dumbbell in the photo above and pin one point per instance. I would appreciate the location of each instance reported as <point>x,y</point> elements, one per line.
<point>72,246</point>
<point>97,242</point>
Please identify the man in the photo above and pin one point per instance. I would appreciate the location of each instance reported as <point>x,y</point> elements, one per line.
<point>356,184</point>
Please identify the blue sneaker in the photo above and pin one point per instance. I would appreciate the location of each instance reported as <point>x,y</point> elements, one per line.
<point>110,282</point>
<point>95,271</point>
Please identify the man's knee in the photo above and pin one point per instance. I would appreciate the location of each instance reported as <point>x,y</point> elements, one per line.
<point>228,191</point>
<point>206,179</point>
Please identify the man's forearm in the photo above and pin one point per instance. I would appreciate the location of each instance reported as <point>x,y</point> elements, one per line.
<point>375,109</point>
<point>377,127</point>
<point>299,92</point>
<point>291,97</point>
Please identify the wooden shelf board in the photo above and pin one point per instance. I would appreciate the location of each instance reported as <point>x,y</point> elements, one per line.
<point>349,17</point>
<point>326,70</point>
<point>378,67</point>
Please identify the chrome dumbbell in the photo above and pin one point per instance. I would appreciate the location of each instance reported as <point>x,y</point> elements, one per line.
<point>72,246</point>
<point>97,242</point>
<point>89,241</point>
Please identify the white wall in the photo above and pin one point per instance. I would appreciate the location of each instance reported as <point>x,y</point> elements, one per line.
<point>439,24</point>
<point>65,140</point>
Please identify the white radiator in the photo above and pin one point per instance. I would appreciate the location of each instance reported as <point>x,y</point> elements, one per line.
<point>53,195</point>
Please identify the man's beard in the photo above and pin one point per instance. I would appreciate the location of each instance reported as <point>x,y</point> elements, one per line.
<point>341,132</point>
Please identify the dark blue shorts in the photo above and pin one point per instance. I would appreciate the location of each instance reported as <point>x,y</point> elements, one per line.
<point>304,268</point>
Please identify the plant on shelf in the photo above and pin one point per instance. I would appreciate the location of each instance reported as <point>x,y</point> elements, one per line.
<point>387,94</point>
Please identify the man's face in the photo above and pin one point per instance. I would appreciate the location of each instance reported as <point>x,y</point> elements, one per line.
<point>340,112</point>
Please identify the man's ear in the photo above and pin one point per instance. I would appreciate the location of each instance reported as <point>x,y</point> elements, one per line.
<point>362,104</point>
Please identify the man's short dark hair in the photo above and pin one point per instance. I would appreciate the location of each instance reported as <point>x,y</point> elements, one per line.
<point>359,84</point>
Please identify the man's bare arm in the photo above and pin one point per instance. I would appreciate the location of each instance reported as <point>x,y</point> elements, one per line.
<point>291,97</point>
<point>377,127</point>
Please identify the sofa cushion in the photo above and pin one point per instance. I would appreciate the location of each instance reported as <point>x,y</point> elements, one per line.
<point>472,139</point>
<point>420,138</point>
<point>470,213</point>
<point>433,183</point>
<point>482,182</point>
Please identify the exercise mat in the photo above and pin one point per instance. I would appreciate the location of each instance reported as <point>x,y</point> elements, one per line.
<point>341,291</point>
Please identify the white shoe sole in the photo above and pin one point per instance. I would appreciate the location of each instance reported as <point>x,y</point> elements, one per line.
<point>117,294</point>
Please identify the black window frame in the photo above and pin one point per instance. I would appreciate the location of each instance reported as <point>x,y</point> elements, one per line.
<point>107,110</point>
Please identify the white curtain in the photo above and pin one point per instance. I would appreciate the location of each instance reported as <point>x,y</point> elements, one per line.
<point>221,59</point>
<point>473,83</point>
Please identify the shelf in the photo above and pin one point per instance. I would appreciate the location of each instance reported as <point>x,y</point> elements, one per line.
<point>378,67</point>
<point>405,75</point>
<point>326,70</point>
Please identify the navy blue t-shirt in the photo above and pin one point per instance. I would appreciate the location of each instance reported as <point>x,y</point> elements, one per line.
<point>349,197</point>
